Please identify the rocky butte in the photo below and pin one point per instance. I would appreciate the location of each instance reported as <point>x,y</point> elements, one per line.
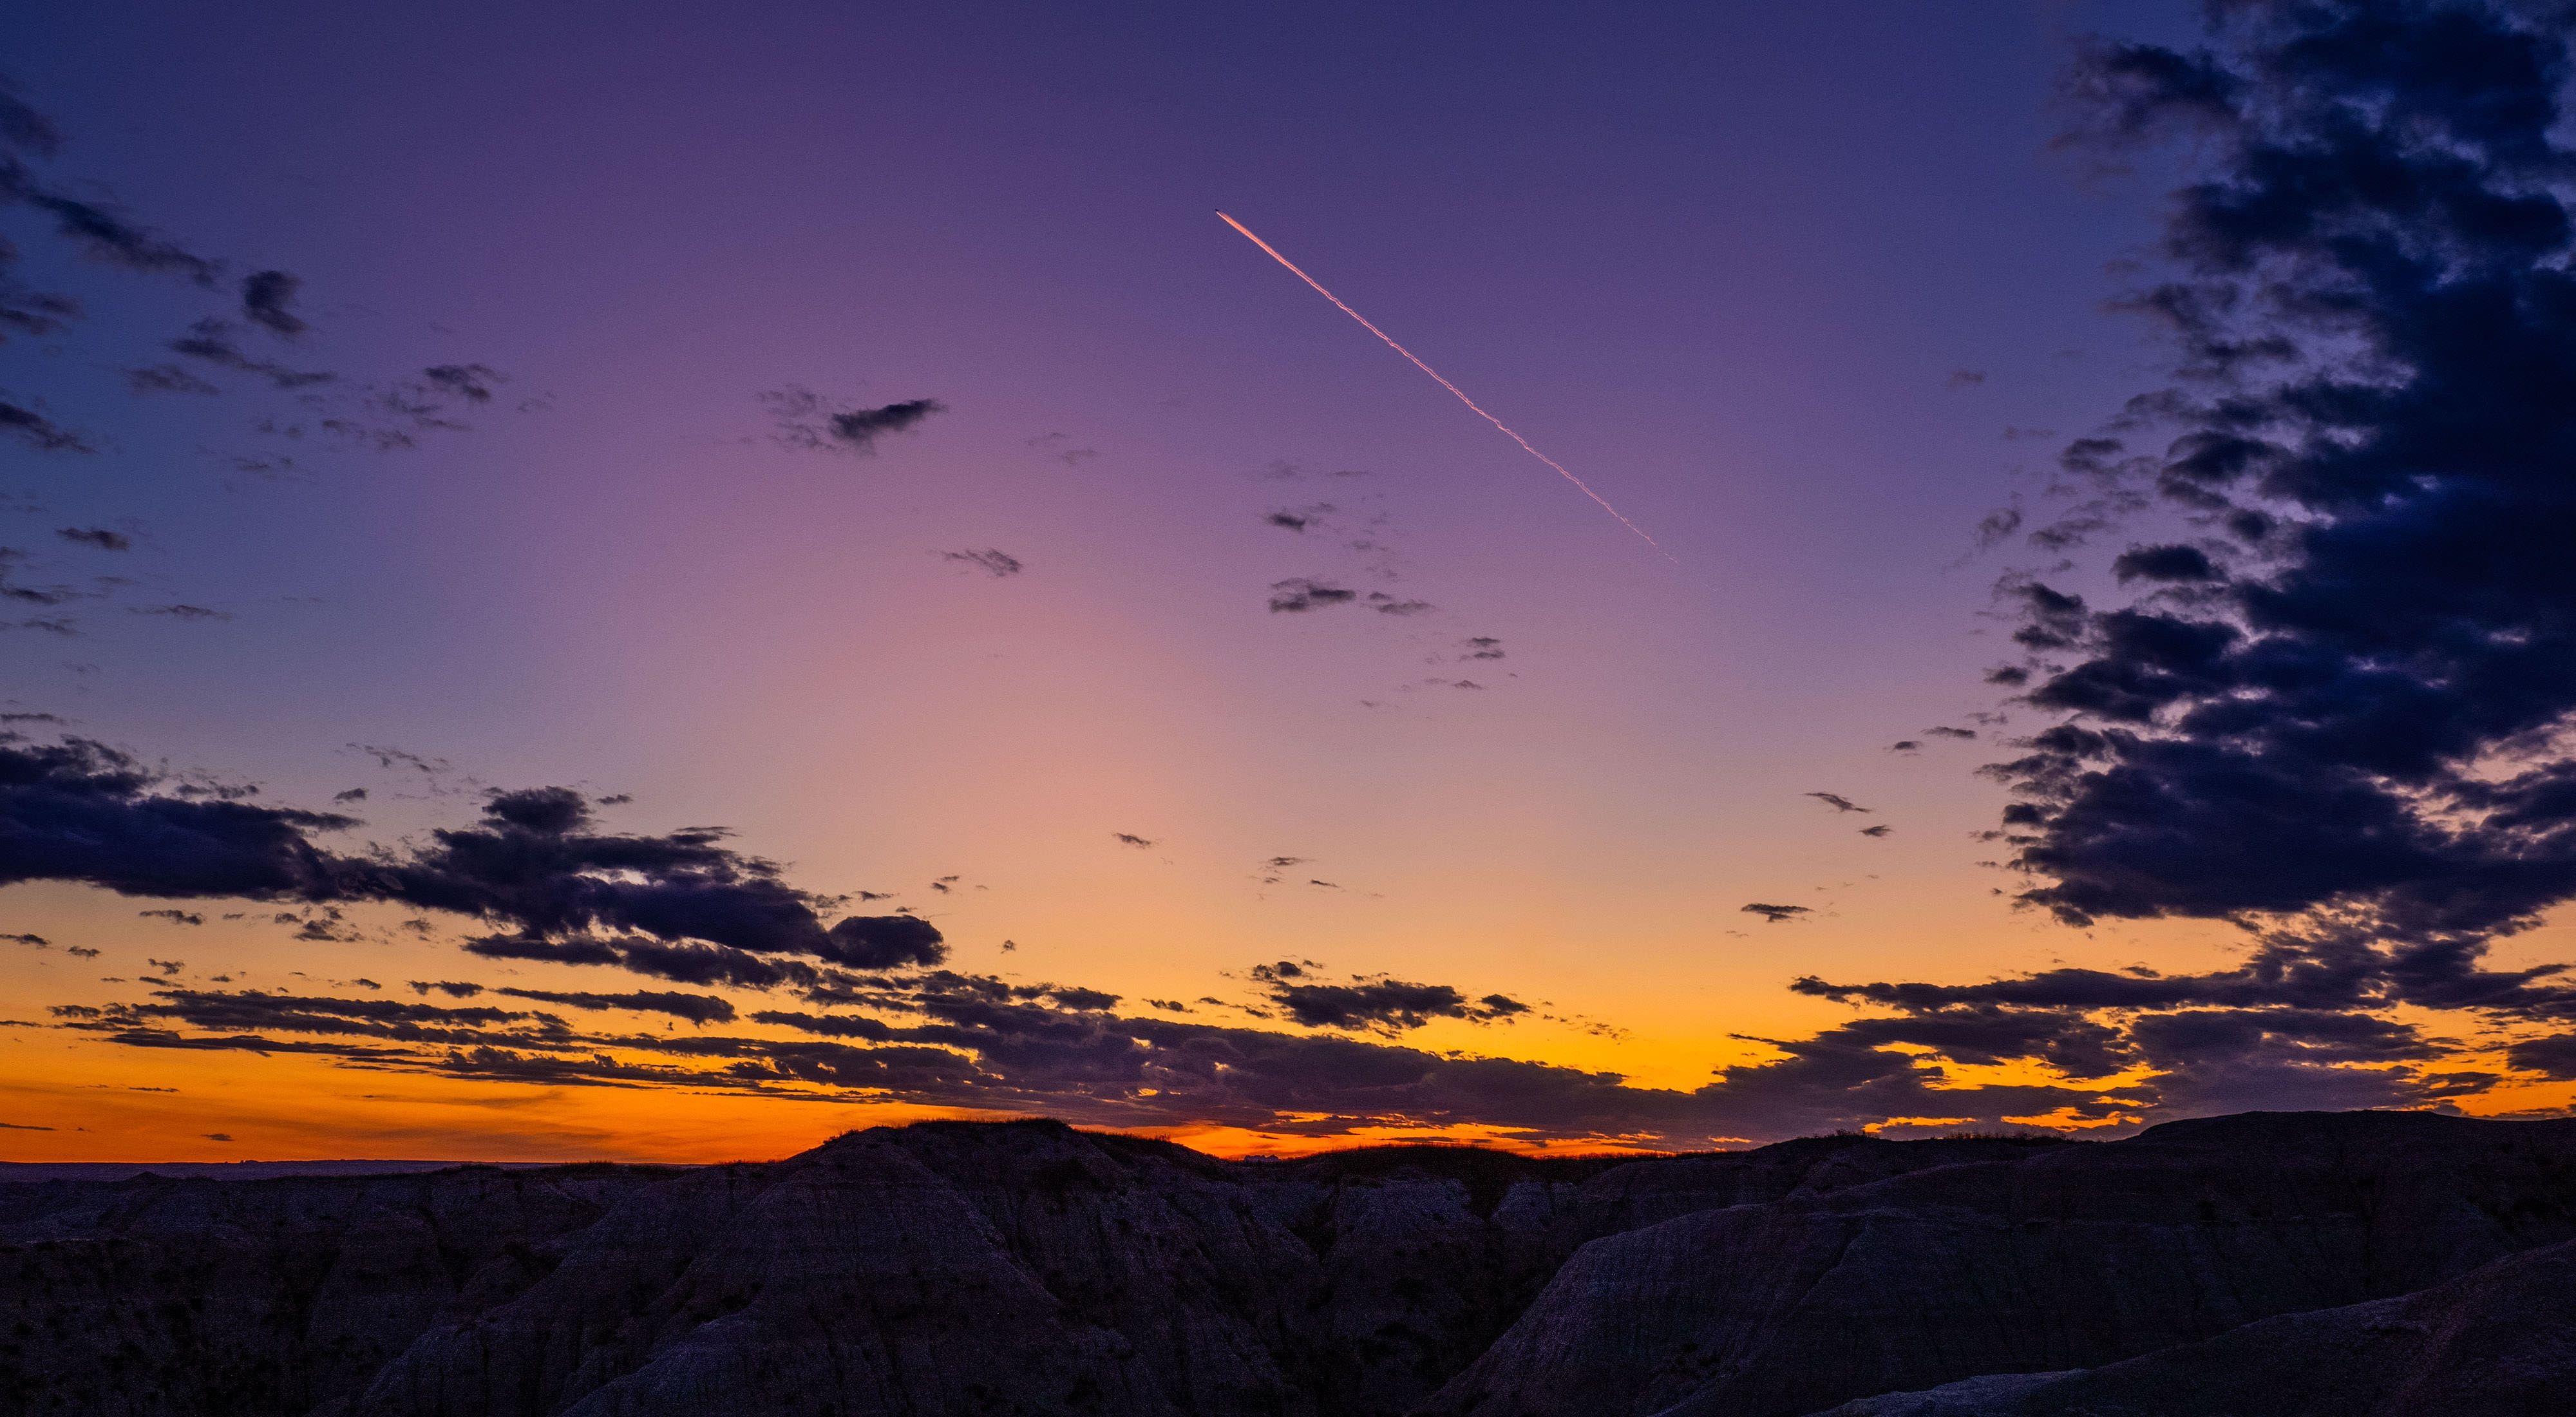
<point>2270,1263</point>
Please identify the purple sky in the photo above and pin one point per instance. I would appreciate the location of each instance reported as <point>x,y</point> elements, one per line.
<point>1805,291</point>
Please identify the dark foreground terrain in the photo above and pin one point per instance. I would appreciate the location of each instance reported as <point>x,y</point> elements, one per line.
<point>2366,1263</point>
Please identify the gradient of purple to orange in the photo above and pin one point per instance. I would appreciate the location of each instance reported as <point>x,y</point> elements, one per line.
<point>1727,262</point>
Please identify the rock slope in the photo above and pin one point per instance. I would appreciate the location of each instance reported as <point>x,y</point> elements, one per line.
<point>2500,1341</point>
<point>1028,1268</point>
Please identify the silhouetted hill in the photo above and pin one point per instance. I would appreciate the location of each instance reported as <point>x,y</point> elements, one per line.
<point>1027,1268</point>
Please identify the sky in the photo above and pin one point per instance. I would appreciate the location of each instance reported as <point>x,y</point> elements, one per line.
<point>635,583</point>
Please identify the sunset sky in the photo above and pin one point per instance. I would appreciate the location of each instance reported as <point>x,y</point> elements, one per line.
<point>1188,646</point>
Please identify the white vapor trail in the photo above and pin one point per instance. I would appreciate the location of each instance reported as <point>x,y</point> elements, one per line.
<point>1461,394</point>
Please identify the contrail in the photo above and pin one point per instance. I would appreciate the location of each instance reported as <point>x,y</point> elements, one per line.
<point>1461,394</point>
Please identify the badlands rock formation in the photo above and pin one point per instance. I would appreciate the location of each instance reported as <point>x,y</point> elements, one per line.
<point>2284,1263</point>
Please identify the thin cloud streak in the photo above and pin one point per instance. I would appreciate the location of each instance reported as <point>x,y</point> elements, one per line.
<point>1478,409</point>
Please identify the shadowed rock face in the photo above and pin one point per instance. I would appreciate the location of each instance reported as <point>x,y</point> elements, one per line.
<point>1027,1268</point>
<point>2500,1341</point>
<point>2071,1257</point>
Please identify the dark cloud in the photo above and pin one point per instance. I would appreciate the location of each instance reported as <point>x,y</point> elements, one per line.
<point>2299,1024</point>
<point>179,612</point>
<point>862,427</point>
<point>696,1008</point>
<point>79,811</point>
<point>95,229</point>
<point>1965,378</point>
<point>257,1012</point>
<point>175,917</point>
<point>37,431</point>
<point>1838,802</point>
<point>470,382</point>
<point>804,420</point>
<point>1774,914</point>
<point>1998,527</point>
<point>1300,594</point>
<point>23,128</point>
<point>1881,829</point>
<point>1374,1004</point>
<point>2356,731</point>
<point>1905,745</point>
<point>2553,1057</point>
<point>10,559</point>
<point>1383,603</point>
<point>99,537</point>
<point>211,341</point>
<point>167,379</point>
<point>378,416</point>
<point>102,231</point>
<point>992,563</point>
<point>2164,563</point>
<point>971,1041</point>
<point>1130,839</point>
<point>452,988</point>
<point>32,312</point>
<point>265,298</point>
<point>1962,734</point>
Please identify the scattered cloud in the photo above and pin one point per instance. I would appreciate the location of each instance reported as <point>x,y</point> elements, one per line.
<point>1774,914</point>
<point>266,298</point>
<point>1299,595</point>
<point>803,419</point>
<point>1386,604</point>
<point>1374,1004</point>
<point>1059,448</point>
<point>470,382</point>
<point>36,431</point>
<point>1838,802</point>
<point>210,341</point>
<point>992,563</point>
<point>179,612</point>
